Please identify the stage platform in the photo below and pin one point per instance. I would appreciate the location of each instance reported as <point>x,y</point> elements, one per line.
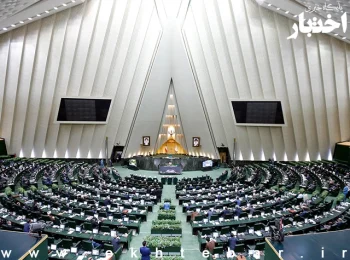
<point>330,245</point>
<point>186,163</point>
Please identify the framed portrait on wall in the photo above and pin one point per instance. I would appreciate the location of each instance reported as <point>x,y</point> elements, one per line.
<point>196,141</point>
<point>146,140</point>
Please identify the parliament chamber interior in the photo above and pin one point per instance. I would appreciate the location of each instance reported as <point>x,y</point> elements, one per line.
<point>174,129</point>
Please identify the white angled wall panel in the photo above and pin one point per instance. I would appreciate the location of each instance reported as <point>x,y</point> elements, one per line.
<point>220,51</point>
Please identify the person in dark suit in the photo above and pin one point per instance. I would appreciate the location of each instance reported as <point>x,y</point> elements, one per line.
<point>232,241</point>
<point>238,211</point>
<point>225,211</point>
<point>116,243</point>
<point>26,227</point>
<point>107,202</point>
<point>145,251</point>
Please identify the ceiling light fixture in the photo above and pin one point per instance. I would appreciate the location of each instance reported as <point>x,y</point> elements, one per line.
<point>55,8</point>
<point>47,11</point>
<point>30,18</point>
<point>38,15</point>
<point>13,25</point>
<point>21,22</point>
<point>64,4</point>
<point>5,29</point>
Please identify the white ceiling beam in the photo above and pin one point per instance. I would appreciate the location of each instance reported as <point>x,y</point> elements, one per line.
<point>35,12</point>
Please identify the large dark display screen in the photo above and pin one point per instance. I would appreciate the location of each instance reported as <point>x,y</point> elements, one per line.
<point>79,110</point>
<point>258,112</point>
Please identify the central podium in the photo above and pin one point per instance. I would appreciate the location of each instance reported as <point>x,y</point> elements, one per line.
<point>170,164</point>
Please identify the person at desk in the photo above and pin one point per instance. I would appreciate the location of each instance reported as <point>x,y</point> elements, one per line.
<point>225,211</point>
<point>238,201</point>
<point>26,227</point>
<point>166,205</point>
<point>145,251</point>
<point>54,220</point>
<point>96,223</point>
<point>25,182</point>
<point>194,215</point>
<point>93,243</point>
<point>238,211</point>
<point>210,245</point>
<point>210,213</point>
<point>304,212</point>
<point>35,207</point>
<point>7,225</point>
<point>107,202</point>
<point>345,192</point>
<point>250,209</point>
<point>232,241</point>
<point>116,243</point>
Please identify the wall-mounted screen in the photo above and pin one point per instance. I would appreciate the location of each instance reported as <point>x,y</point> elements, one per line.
<point>83,110</point>
<point>208,163</point>
<point>258,112</point>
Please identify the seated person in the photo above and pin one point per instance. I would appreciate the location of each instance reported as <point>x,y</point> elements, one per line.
<point>338,223</point>
<point>210,245</point>
<point>94,244</point>
<point>116,243</point>
<point>304,212</point>
<point>54,220</point>
<point>250,209</point>
<point>65,178</point>
<point>7,225</point>
<point>194,214</point>
<point>47,181</point>
<point>225,211</point>
<point>25,182</point>
<point>107,202</point>
<point>35,206</point>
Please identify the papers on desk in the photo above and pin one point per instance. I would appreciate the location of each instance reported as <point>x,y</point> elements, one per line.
<point>70,232</point>
<point>258,233</point>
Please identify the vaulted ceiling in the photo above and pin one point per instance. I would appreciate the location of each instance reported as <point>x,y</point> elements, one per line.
<point>214,51</point>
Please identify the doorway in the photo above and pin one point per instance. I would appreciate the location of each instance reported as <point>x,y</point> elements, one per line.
<point>224,155</point>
